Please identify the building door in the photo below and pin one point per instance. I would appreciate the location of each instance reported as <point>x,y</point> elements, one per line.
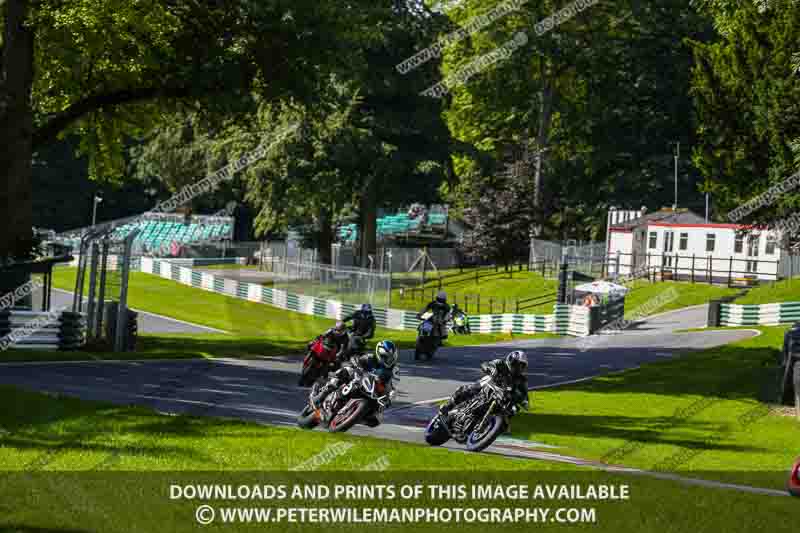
<point>669,242</point>
<point>752,251</point>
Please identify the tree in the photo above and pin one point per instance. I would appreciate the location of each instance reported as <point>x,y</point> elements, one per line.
<point>370,141</point>
<point>499,218</point>
<point>593,94</point>
<point>746,88</point>
<point>106,70</point>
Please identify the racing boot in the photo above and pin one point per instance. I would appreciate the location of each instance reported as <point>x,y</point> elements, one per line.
<point>325,415</point>
<point>444,411</point>
<point>319,397</point>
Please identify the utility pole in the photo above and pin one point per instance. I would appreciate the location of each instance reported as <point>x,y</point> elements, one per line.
<point>677,155</point>
<point>96,201</point>
<point>607,252</point>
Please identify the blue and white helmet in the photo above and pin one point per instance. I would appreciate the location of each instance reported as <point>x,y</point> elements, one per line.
<point>386,352</point>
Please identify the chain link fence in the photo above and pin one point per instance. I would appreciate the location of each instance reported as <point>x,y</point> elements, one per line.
<point>348,285</point>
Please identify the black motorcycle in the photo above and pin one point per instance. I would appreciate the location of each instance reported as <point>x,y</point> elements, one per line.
<point>477,422</point>
<point>427,339</point>
<point>363,399</point>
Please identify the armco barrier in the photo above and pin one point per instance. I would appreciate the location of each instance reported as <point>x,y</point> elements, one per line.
<point>567,319</point>
<point>758,314</point>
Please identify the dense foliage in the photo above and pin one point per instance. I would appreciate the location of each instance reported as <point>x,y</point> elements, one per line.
<point>154,94</point>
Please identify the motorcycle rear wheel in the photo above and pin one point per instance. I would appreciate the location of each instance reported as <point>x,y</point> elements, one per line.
<point>424,349</point>
<point>478,441</point>
<point>348,416</point>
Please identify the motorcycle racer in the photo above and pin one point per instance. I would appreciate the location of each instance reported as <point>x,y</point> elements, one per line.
<point>510,370</point>
<point>381,363</point>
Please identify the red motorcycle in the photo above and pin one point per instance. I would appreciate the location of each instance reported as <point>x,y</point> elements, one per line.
<point>319,360</point>
<point>793,485</point>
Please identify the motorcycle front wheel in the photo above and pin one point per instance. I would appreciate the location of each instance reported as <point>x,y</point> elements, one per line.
<point>348,415</point>
<point>481,438</point>
<point>308,418</point>
<point>310,373</point>
<point>436,434</point>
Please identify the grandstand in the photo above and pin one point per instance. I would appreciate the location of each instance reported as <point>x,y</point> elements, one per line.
<point>413,223</point>
<point>160,231</point>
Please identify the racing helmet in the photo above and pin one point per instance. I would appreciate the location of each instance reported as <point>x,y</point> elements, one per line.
<point>517,361</point>
<point>441,297</point>
<point>340,327</point>
<point>366,309</point>
<point>386,352</point>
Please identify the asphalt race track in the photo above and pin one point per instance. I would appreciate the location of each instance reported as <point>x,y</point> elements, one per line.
<point>266,391</point>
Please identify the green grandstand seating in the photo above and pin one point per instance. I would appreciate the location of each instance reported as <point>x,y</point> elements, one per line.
<point>155,234</point>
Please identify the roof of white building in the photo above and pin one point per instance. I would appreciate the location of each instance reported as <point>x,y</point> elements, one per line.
<point>665,216</point>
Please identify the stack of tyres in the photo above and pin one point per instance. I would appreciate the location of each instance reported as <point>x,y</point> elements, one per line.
<point>131,327</point>
<point>5,323</point>
<point>72,331</point>
<point>133,331</point>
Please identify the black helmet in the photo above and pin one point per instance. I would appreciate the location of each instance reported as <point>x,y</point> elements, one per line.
<point>441,297</point>
<point>517,361</point>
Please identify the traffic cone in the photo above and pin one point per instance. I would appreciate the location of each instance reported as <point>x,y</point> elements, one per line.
<point>793,485</point>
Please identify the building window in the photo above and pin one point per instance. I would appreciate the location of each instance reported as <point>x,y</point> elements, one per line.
<point>752,246</point>
<point>653,240</point>
<point>669,241</point>
<point>684,242</point>
<point>738,243</point>
<point>772,241</point>
<point>711,241</point>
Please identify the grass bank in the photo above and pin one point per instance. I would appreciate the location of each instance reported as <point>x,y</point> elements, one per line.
<point>703,412</point>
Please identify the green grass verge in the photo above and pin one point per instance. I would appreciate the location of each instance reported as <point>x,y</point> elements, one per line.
<point>634,417</point>
<point>787,290</point>
<point>256,330</point>
<point>60,433</point>
<point>70,465</point>
<point>526,284</point>
<point>642,293</point>
<point>486,295</point>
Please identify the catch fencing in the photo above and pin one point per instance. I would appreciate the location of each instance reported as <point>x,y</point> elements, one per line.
<point>349,285</point>
<point>422,288</point>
